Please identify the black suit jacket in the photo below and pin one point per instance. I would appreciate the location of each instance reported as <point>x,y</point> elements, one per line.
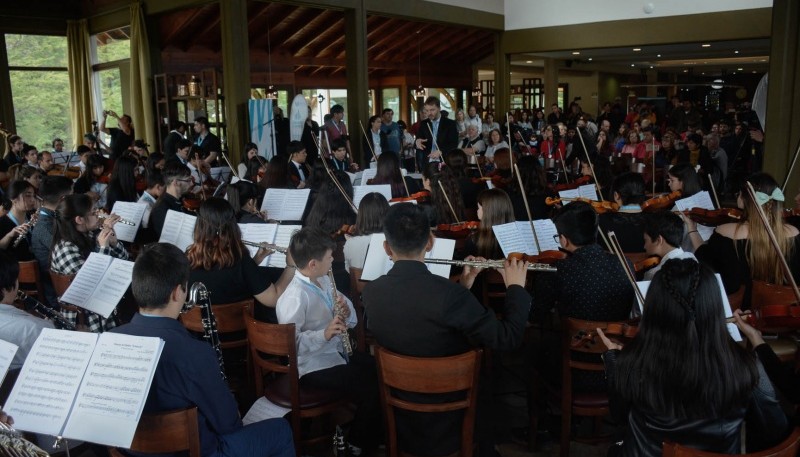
<point>446,136</point>
<point>410,311</point>
<point>294,175</point>
<point>369,145</point>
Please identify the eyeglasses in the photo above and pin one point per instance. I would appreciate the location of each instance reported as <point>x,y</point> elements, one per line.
<point>557,238</point>
<point>184,179</point>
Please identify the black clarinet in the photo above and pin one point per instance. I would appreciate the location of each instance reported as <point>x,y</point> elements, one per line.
<point>198,295</point>
<point>45,311</point>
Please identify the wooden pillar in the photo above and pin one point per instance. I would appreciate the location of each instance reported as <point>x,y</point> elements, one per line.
<point>6,101</point>
<point>783,95</point>
<point>652,78</point>
<point>502,79</point>
<point>355,21</point>
<point>235,74</point>
<point>550,84</point>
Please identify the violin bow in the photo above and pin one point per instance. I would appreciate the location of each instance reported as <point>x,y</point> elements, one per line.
<point>614,242</point>
<point>447,199</point>
<point>787,272</point>
<point>235,173</point>
<point>605,240</point>
<point>434,146</point>
<point>563,168</point>
<point>654,165</point>
<point>791,167</point>
<point>403,178</point>
<point>336,182</point>
<point>510,144</point>
<point>528,209</point>
<point>371,149</point>
<point>714,190</point>
<point>589,161</point>
<point>66,165</point>
<point>200,176</point>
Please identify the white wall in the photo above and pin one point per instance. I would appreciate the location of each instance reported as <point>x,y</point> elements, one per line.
<point>524,14</point>
<point>489,6</point>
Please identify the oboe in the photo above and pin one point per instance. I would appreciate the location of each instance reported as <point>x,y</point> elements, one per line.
<point>198,295</point>
<point>121,221</point>
<point>45,311</point>
<point>339,311</point>
<point>489,264</point>
<point>265,245</point>
<point>30,224</point>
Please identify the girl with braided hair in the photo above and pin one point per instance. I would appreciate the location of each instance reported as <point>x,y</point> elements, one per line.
<point>683,379</point>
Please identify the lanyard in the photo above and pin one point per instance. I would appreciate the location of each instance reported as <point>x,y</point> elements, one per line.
<point>319,293</point>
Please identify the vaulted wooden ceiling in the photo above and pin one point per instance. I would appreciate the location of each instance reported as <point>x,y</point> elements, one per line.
<point>313,40</point>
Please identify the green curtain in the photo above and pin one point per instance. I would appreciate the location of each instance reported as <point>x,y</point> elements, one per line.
<point>80,78</point>
<point>141,94</point>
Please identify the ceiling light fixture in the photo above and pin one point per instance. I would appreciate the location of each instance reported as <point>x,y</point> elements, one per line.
<point>590,59</point>
<point>637,49</point>
<point>658,55</point>
<point>529,61</point>
<point>740,69</point>
<point>271,93</point>
<point>633,65</point>
<point>419,92</point>
<point>576,53</point>
<point>736,52</point>
<point>705,45</point>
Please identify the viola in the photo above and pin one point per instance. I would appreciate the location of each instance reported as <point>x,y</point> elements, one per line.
<point>714,217</point>
<point>624,330</point>
<point>548,257</point>
<point>775,306</point>
<point>599,206</point>
<point>345,230</point>
<point>646,263</point>
<point>583,180</point>
<point>422,196</point>
<point>456,231</point>
<point>661,202</point>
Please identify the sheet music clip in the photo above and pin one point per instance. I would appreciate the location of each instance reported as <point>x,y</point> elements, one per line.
<point>60,440</point>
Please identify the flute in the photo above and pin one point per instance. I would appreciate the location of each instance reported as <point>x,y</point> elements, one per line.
<point>496,264</point>
<point>347,346</point>
<point>121,221</point>
<point>265,245</point>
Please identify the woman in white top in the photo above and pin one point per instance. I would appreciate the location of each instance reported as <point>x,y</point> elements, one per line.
<point>371,210</point>
<point>496,142</point>
<point>461,123</point>
<point>250,151</point>
<point>489,125</point>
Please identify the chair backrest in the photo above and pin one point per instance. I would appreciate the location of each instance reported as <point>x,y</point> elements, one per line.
<point>787,448</point>
<point>356,288</point>
<point>168,432</point>
<point>580,336</point>
<point>272,349</point>
<point>493,290</point>
<point>431,375</point>
<point>61,282</point>
<point>229,318</point>
<point>29,274</point>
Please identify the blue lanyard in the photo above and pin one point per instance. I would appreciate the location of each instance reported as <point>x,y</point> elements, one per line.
<point>326,299</point>
<point>14,219</point>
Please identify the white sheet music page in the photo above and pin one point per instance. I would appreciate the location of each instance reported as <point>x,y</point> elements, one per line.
<point>515,237</point>
<point>89,276</point>
<point>545,230</point>
<point>43,395</point>
<point>7,352</point>
<point>377,263</point>
<point>698,200</point>
<point>569,194</point>
<point>442,248</point>
<point>111,287</point>
<point>368,174</point>
<point>178,229</point>
<point>588,191</point>
<point>129,211</point>
<point>258,233</point>
<point>285,204</point>
<point>114,389</point>
<point>283,235</point>
<point>262,410</point>
<point>359,192</point>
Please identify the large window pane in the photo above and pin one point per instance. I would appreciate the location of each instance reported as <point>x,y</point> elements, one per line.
<point>391,100</point>
<point>112,45</point>
<point>42,107</point>
<point>36,51</point>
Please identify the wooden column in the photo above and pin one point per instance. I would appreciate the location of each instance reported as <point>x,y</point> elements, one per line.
<point>235,74</point>
<point>6,101</point>
<point>550,85</point>
<point>783,97</point>
<point>355,21</point>
<point>502,79</point>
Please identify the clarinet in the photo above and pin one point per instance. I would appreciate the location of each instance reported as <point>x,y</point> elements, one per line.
<point>45,311</point>
<point>30,224</point>
<point>198,294</point>
<point>338,311</point>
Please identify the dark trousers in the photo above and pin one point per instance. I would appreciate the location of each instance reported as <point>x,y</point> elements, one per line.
<point>269,438</point>
<point>359,380</point>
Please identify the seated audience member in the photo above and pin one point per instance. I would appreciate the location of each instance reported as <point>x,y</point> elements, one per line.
<point>178,181</point>
<point>53,190</point>
<point>447,320</point>
<point>220,260</point>
<point>663,233</point>
<point>627,223</point>
<point>16,222</point>
<point>188,373</point>
<point>321,324</point>
<point>79,232</point>
<point>683,379</point>
<point>371,211</point>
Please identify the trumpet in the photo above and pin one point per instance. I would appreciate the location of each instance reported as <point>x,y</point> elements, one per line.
<point>265,245</point>
<point>496,264</point>
<point>121,221</point>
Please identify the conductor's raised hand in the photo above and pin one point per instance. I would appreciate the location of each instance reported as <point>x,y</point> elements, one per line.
<point>420,143</point>
<point>336,327</point>
<point>514,272</point>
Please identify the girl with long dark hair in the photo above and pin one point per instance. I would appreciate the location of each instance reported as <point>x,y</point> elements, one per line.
<point>494,208</point>
<point>389,173</point>
<point>439,211</point>
<point>15,223</point>
<point>243,197</point>
<point>122,186</point>
<point>371,210</point>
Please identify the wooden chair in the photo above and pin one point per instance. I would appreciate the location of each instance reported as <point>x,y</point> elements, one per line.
<point>169,432</point>
<point>29,275</point>
<point>788,448</point>
<point>356,288</point>
<point>273,351</point>
<point>432,375</point>
<point>60,285</point>
<point>230,322</point>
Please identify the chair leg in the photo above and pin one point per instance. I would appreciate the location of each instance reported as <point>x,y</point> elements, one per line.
<point>566,423</point>
<point>533,411</point>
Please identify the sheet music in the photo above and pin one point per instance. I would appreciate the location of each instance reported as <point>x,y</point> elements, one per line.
<point>698,200</point>
<point>7,352</point>
<point>588,191</point>
<point>60,158</point>
<point>285,204</point>
<point>569,193</point>
<point>114,389</point>
<point>83,286</point>
<point>368,174</point>
<point>545,230</point>
<point>109,291</point>
<point>512,238</point>
<point>733,330</point>
<point>178,229</point>
<point>129,211</point>
<point>262,410</point>
<point>259,233</point>
<point>360,191</point>
<point>353,177</point>
<point>283,236</point>
<point>377,263</point>
<point>44,392</point>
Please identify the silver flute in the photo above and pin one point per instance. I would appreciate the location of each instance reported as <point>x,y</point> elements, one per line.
<point>121,221</point>
<point>265,245</point>
<point>496,264</point>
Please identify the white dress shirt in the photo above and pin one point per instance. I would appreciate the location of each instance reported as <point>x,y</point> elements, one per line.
<point>676,253</point>
<point>22,329</point>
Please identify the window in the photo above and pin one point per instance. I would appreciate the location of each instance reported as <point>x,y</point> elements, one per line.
<point>111,52</point>
<point>40,88</point>
<point>391,100</point>
<point>332,97</point>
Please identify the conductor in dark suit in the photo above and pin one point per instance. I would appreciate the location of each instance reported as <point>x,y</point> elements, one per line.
<point>443,129</point>
<point>446,320</point>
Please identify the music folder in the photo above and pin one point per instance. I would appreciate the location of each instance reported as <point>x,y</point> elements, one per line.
<point>85,386</point>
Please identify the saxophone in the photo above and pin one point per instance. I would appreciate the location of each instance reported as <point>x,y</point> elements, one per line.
<point>45,311</point>
<point>198,295</point>
<point>339,311</point>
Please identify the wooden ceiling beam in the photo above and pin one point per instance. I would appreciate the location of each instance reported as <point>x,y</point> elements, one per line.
<point>470,40</point>
<point>314,19</point>
<point>399,43</point>
<point>331,47</point>
<point>333,32</point>
<point>206,14</point>
<point>445,37</point>
<point>258,26</point>
<point>176,23</point>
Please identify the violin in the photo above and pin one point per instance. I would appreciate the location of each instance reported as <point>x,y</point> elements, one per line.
<point>457,230</point>
<point>71,172</point>
<point>646,263</point>
<point>791,212</point>
<point>583,180</point>
<point>714,217</point>
<point>547,257</point>
<point>344,230</point>
<point>781,312</point>
<point>422,196</point>
<point>599,206</point>
<point>104,179</point>
<point>191,202</point>
<point>662,202</point>
<point>623,330</point>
